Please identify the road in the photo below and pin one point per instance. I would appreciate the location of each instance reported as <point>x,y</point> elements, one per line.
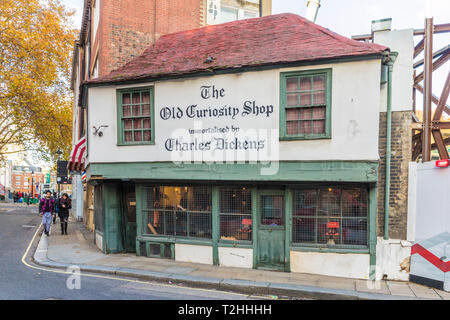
<point>18,225</point>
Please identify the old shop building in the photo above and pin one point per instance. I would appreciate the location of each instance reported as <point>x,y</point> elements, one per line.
<point>251,144</point>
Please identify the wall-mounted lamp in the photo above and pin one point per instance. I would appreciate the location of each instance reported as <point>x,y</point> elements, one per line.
<point>97,131</point>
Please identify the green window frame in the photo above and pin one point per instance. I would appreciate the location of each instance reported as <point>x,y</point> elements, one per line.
<point>138,114</point>
<point>311,94</point>
<point>313,207</point>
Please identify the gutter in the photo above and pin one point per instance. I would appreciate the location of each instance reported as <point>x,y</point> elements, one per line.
<point>389,61</point>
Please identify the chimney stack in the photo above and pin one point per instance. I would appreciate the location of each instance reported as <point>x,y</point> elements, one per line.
<point>312,9</point>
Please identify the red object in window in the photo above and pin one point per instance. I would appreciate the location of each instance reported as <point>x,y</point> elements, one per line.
<point>442,163</point>
<point>333,225</point>
<point>246,221</point>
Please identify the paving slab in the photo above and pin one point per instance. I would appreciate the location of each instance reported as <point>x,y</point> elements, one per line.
<point>346,284</point>
<point>443,294</point>
<point>400,289</point>
<point>423,291</point>
<point>377,287</point>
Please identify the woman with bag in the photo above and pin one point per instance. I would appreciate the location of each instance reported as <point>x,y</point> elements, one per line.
<point>64,205</point>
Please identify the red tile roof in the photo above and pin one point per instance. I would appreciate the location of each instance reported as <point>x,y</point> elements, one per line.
<point>276,39</point>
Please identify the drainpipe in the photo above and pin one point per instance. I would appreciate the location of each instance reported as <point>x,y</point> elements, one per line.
<point>389,61</point>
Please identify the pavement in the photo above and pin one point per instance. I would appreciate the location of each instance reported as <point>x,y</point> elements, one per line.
<point>78,248</point>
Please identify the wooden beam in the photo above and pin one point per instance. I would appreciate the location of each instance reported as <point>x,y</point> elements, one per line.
<point>418,48</point>
<point>417,126</point>
<point>440,144</point>
<point>439,62</point>
<point>441,125</point>
<point>437,53</point>
<point>433,98</point>
<point>438,28</point>
<point>443,99</point>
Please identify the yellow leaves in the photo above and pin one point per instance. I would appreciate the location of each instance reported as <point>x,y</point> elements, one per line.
<point>36,43</point>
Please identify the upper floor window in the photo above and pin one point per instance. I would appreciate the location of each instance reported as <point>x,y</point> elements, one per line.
<point>135,116</point>
<point>305,105</point>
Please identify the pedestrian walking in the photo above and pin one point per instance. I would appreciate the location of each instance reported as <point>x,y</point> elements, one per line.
<point>64,204</point>
<point>47,210</point>
<point>56,206</point>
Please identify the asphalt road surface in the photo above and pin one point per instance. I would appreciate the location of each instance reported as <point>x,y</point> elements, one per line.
<point>18,225</point>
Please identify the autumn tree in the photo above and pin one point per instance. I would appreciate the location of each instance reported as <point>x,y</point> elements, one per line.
<point>36,41</point>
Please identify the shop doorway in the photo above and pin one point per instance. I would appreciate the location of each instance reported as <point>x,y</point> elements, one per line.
<point>129,216</point>
<point>271,219</point>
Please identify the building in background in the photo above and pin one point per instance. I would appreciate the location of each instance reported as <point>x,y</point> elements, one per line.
<point>114,32</point>
<point>27,179</point>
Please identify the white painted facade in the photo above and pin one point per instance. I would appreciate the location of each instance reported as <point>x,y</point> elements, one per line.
<point>402,42</point>
<point>346,265</point>
<point>236,257</point>
<point>354,110</point>
<point>193,253</point>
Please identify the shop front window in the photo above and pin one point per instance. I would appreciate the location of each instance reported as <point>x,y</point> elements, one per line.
<point>330,216</point>
<point>235,214</point>
<point>179,211</point>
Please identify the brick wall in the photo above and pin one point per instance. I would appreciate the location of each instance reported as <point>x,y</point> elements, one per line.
<point>400,156</point>
<point>128,27</point>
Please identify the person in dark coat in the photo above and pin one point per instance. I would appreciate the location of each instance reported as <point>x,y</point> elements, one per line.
<point>64,204</point>
<point>47,210</point>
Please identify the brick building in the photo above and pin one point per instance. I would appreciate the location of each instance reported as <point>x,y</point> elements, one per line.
<point>23,177</point>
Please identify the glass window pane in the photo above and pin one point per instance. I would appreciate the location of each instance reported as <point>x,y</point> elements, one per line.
<point>147,135</point>
<point>126,111</point>
<point>145,109</point>
<point>292,127</point>
<point>319,82</point>
<point>305,83</point>
<point>147,123</point>
<point>319,97</point>
<point>292,114</point>
<point>146,97</point>
<point>128,136</point>
<point>128,124</point>
<point>228,14</point>
<point>292,84</point>
<point>292,99</point>
<point>354,202</point>
<point>305,127</point>
<point>303,230</point>
<point>318,126</point>
<point>137,123</point>
<point>137,136</point>
<point>354,231</point>
<point>306,113</point>
<point>272,210</point>
<point>136,110</point>
<point>318,113</point>
<point>305,99</point>
<point>305,202</point>
<point>136,96</point>
<point>126,98</point>
<point>330,202</point>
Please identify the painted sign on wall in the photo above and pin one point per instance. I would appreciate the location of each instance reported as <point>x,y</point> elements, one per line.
<point>213,123</point>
